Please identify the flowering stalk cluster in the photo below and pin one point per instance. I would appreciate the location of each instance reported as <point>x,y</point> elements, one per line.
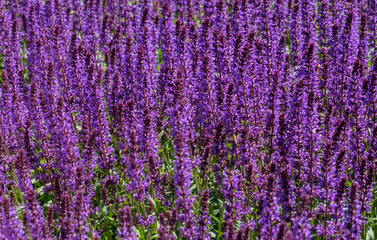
<point>188,119</point>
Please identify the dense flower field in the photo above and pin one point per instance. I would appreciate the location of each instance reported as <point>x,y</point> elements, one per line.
<point>188,119</point>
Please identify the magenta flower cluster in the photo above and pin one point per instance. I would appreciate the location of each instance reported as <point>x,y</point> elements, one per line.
<point>188,119</point>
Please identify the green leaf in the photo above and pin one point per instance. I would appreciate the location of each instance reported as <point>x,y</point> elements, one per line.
<point>137,232</point>
<point>160,135</point>
<point>215,218</point>
<point>370,234</point>
<point>154,236</point>
<point>216,211</point>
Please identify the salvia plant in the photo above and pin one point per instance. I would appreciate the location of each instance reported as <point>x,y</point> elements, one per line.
<point>188,119</point>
